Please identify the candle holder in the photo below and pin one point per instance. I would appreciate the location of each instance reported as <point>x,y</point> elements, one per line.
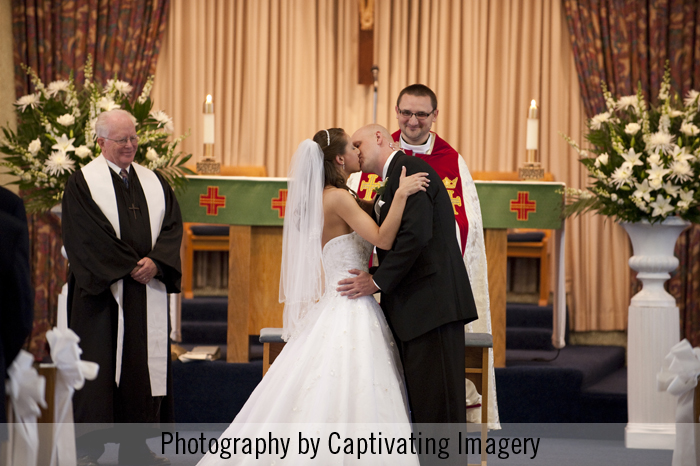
<point>531,171</point>
<point>208,165</point>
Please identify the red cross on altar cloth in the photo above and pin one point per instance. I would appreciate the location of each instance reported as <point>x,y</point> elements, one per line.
<point>212,201</point>
<point>523,205</point>
<point>280,203</point>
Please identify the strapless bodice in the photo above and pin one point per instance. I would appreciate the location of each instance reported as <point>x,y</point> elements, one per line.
<point>343,253</point>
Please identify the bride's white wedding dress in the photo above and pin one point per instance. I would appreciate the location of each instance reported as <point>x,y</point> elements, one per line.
<point>341,372</point>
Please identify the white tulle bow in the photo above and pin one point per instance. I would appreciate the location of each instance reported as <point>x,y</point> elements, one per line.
<point>71,374</point>
<point>65,353</point>
<point>679,377</point>
<point>25,387</point>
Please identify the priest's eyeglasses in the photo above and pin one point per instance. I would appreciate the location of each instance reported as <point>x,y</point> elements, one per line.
<point>134,140</point>
<point>419,115</point>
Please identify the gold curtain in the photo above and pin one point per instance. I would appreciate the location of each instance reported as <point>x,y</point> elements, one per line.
<point>279,70</point>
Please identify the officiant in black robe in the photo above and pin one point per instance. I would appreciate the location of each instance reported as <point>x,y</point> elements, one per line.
<point>109,242</point>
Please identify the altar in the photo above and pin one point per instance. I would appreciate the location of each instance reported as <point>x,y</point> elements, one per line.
<point>255,208</point>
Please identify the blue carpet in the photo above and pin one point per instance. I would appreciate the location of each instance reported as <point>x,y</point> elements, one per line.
<point>583,383</point>
<point>212,391</point>
<point>528,338</point>
<point>594,362</point>
<point>208,309</point>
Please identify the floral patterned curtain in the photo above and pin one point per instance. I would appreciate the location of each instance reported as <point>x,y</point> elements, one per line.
<point>54,38</point>
<point>627,42</point>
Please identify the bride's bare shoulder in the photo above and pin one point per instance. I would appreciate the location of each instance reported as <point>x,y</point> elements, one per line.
<point>333,194</point>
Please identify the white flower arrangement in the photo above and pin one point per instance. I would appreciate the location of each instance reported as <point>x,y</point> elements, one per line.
<point>645,163</point>
<point>56,135</point>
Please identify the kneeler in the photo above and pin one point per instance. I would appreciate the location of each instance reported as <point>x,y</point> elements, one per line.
<point>476,369</point>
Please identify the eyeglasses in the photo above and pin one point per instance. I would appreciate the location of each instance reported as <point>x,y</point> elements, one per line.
<point>419,115</point>
<point>134,140</point>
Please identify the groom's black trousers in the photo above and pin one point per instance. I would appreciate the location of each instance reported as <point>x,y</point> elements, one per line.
<point>433,365</point>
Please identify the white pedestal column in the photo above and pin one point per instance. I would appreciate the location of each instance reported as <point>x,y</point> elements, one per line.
<point>653,328</point>
<point>651,333</point>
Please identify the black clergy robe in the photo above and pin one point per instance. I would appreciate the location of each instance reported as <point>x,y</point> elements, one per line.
<point>98,258</point>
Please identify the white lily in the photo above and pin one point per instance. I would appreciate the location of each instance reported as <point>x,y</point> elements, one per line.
<point>672,189</point>
<point>656,176</point>
<point>681,154</point>
<point>643,191</point>
<point>123,87</point>
<point>687,199</point>
<point>632,157</point>
<point>107,104</point>
<point>63,143</point>
<point>662,206</point>
<point>654,159</point>
<point>691,97</point>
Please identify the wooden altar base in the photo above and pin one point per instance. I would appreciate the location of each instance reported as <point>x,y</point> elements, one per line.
<point>255,258</point>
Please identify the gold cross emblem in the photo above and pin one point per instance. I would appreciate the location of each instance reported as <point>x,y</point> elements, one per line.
<point>451,185</point>
<point>369,186</point>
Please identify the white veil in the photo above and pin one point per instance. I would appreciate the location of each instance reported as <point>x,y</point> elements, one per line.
<point>301,278</point>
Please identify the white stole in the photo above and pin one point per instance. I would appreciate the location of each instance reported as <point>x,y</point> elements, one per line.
<point>98,177</point>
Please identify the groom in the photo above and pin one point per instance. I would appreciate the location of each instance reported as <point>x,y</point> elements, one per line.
<point>425,288</point>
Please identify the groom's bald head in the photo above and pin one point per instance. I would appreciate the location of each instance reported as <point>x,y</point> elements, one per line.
<point>373,141</point>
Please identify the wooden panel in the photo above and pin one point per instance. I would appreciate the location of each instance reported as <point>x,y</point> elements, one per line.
<point>49,373</point>
<point>266,260</point>
<point>472,358</point>
<point>485,393</point>
<point>239,278</point>
<point>365,58</point>
<point>270,353</point>
<point>496,248</point>
<point>45,421</point>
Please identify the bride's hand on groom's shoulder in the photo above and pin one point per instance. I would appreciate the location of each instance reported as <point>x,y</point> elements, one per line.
<point>412,184</point>
<point>358,286</point>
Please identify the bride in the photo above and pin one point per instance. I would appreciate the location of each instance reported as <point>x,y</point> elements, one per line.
<point>340,372</point>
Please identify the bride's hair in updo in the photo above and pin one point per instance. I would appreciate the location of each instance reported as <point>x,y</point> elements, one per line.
<point>333,142</point>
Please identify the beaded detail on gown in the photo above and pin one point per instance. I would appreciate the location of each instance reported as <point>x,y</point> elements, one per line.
<point>342,369</point>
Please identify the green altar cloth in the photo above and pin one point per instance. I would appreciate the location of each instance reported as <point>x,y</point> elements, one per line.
<point>261,202</point>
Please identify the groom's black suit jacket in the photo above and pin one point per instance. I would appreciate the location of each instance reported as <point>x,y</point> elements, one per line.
<point>423,279</point>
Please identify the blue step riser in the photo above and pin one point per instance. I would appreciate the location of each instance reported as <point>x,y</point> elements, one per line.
<point>526,391</point>
<point>204,333</point>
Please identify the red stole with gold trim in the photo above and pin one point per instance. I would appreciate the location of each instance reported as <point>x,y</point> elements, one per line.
<point>445,161</point>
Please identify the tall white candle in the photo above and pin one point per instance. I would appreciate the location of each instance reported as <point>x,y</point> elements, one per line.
<point>208,121</point>
<point>532,126</point>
